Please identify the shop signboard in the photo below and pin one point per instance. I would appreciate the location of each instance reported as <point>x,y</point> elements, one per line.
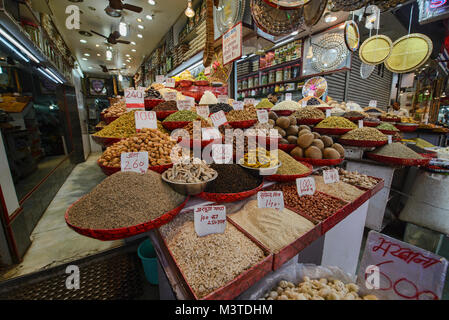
<point>432,10</point>
<point>395,270</point>
<point>270,199</point>
<point>209,220</point>
<point>232,44</point>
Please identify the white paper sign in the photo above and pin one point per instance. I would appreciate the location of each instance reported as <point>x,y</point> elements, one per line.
<point>209,220</point>
<point>203,111</point>
<point>170,83</point>
<point>222,99</point>
<point>170,96</point>
<point>134,161</point>
<point>270,199</point>
<point>185,104</point>
<point>373,103</point>
<point>207,71</point>
<point>262,116</point>
<point>237,105</point>
<point>232,44</point>
<point>222,153</point>
<point>390,139</point>
<point>249,101</point>
<point>328,113</point>
<point>160,79</point>
<point>360,123</point>
<point>304,103</point>
<point>395,270</point>
<point>288,97</point>
<point>218,118</point>
<point>305,186</point>
<point>134,99</point>
<point>331,176</point>
<point>145,119</point>
<point>210,133</point>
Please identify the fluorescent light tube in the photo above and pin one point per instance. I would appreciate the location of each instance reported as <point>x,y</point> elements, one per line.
<point>47,75</point>
<point>18,45</point>
<point>10,46</point>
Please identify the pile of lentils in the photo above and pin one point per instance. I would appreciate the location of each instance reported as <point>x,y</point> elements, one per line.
<point>232,178</point>
<point>153,94</point>
<point>220,107</point>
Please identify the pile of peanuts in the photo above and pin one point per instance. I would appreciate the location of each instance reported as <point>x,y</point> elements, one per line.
<point>158,144</point>
<point>319,206</point>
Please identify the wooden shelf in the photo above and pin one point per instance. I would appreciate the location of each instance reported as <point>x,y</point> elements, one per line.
<point>272,84</point>
<point>276,66</point>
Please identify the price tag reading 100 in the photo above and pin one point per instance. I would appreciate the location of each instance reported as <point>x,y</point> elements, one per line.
<point>305,186</point>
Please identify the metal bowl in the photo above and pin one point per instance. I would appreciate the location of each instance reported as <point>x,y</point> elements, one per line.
<point>188,189</point>
<point>262,171</point>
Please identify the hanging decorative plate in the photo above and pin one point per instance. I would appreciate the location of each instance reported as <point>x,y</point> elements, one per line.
<point>315,87</point>
<point>375,49</point>
<point>366,70</point>
<point>409,52</point>
<point>329,52</point>
<point>352,35</point>
<point>313,11</point>
<point>274,21</point>
<point>286,4</point>
<point>347,5</point>
<point>227,14</point>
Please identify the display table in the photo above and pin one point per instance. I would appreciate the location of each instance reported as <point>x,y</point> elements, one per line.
<point>435,138</point>
<point>338,245</point>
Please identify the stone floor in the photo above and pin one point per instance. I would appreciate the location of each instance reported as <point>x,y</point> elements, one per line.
<point>53,242</point>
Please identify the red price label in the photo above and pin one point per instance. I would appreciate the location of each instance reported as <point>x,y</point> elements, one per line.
<point>134,162</point>
<point>209,220</point>
<point>271,199</point>
<point>218,118</point>
<point>170,83</point>
<point>331,176</point>
<point>305,186</point>
<point>134,99</point>
<point>145,119</point>
<point>262,116</point>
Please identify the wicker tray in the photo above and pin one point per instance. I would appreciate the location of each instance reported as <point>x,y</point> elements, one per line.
<point>407,127</point>
<point>161,115</point>
<point>388,132</point>
<point>308,121</point>
<point>244,124</point>
<point>105,142</point>
<point>151,103</point>
<point>228,197</point>
<point>320,162</point>
<point>173,125</point>
<point>362,143</point>
<point>287,147</point>
<point>283,113</point>
<point>287,178</point>
<point>398,161</point>
<point>107,170</point>
<point>332,131</point>
<point>108,120</point>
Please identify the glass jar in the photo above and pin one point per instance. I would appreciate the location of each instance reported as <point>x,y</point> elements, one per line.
<point>245,83</point>
<point>281,88</point>
<point>272,76</point>
<point>250,82</point>
<point>296,70</point>
<point>256,81</point>
<point>279,75</point>
<point>264,91</point>
<point>276,88</point>
<point>264,79</point>
<point>239,85</point>
<point>287,73</point>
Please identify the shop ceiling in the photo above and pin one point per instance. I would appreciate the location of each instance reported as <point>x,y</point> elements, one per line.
<point>91,54</point>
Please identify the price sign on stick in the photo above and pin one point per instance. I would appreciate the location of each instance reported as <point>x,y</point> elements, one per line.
<point>170,83</point>
<point>331,176</point>
<point>288,97</point>
<point>134,161</point>
<point>271,199</point>
<point>222,153</point>
<point>170,96</point>
<point>390,139</point>
<point>145,119</point>
<point>134,99</point>
<point>373,103</point>
<point>209,220</point>
<point>305,186</point>
<point>262,116</point>
<point>303,103</point>
<point>185,104</point>
<point>360,123</point>
<point>160,79</point>
<point>218,118</point>
<point>203,111</point>
<point>237,105</point>
<point>328,113</point>
<point>222,99</point>
<point>249,101</point>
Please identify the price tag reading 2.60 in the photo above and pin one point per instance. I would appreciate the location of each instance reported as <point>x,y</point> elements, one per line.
<point>134,162</point>
<point>305,186</point>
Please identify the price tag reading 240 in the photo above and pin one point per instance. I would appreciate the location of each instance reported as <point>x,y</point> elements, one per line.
<point>305,186</point>
<point>134,162</point>
<point>209,220</point>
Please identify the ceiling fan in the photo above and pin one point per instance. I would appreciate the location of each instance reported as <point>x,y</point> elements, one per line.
<point>106,70</point>
<point>113,37</point>
<point>119,5</point>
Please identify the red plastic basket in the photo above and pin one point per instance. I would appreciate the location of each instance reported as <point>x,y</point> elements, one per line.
<point>429,155</point>
<point>107,170</point>
<point>151,103</point>
<point>370,124</point>
<point>173,125</point>
<point>105,142</point>
<point>407,127</point>
<point>388,132</point>
<point>292,177</point>
<point>287,147</point>
<point>398,161</point>
<point>308,121</point>
<point>332,131</point>
<point>320,162</point>
<point>229,197</point>
<point>283,113</point>
<point>121,233</point>
<point>362,143</point>
<point>244,124</point>
<point>108,120</point>
<point>389,119</point>
<point>202,83</point>
<point>161,115</point>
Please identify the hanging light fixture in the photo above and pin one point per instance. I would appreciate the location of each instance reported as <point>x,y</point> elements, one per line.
<point>189,11</point>
<point>123,27</point>
<point>109,54</point>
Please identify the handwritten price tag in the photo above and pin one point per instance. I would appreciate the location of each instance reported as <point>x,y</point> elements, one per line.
<point>134,162</point>
<point>331,176</point>
<point>270,199</point>
<point>305,186</point>
<point>373,103</point>
<point>218,118</point>
<point>303,103</point>
<point>134,99</point>
<point>210,133</point>
<point>288,97</point>
<point>207,71</point>
<point>262,116</point>
<point>328,113</point>
<point>170,96</point>
<point>360,123</point>
<point>160,79</point>
<point>390,139</point>
<point>222,99</point>
<point>186,104</point>
<point>222,153</point>
<point>209,220</point>
<point>203,111</point>
<point>170,83</point>
<point>237,105</point>
<point>145,119</point>
<point>249,101</point>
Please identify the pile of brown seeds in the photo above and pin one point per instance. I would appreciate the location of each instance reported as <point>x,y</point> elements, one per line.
<point>124,199</point>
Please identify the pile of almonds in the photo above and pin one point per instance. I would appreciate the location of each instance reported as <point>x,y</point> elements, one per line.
<point>158,144</point>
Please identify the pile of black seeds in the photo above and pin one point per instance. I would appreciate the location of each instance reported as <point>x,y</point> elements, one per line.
<point>313,102</point>
<point>153,94</point>
<point>232,178</point>
<point>124,199</point>
<point>220,107</point>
